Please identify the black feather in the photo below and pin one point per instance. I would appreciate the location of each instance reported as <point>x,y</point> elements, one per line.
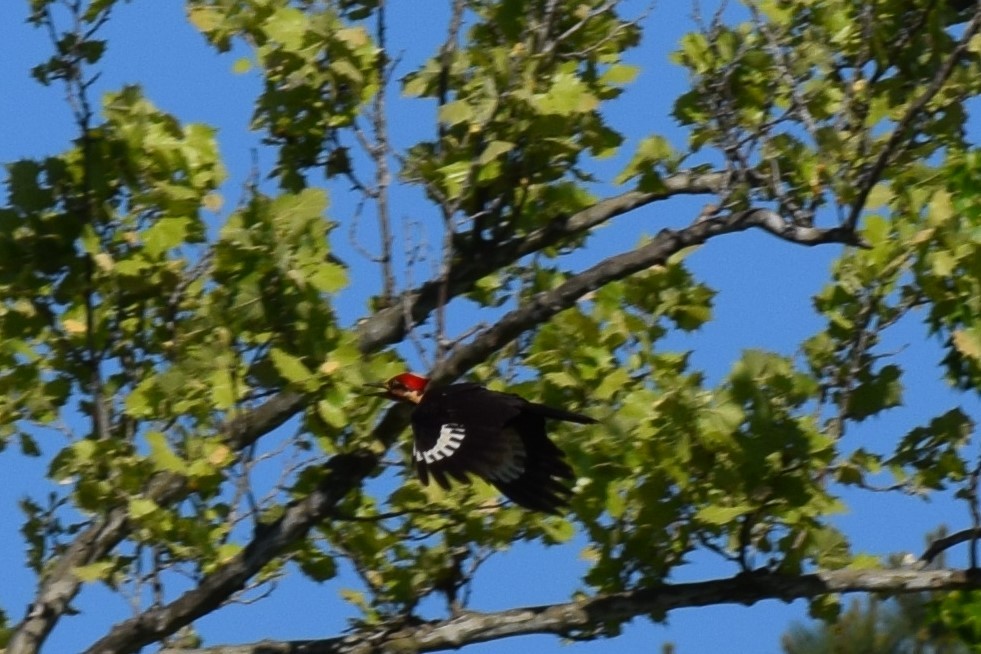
<point>504,441</point>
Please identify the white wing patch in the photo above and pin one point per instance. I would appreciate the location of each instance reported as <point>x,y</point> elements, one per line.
<point>450,437</point>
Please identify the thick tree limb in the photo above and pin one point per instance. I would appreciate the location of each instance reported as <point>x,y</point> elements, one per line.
<point>390,325</point>
<point>586,618</point>
<point>544,305</point>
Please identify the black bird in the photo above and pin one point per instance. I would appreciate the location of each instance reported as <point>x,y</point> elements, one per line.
<point>465,429</point>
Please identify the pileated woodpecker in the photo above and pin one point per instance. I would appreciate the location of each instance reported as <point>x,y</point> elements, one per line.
<point>465,428</point>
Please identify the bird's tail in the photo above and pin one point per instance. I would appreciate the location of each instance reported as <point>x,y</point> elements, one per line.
<point>560,414</point>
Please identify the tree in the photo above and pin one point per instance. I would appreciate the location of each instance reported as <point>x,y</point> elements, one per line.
<point>210,394</point>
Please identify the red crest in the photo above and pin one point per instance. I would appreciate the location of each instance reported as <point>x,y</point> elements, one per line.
<point>409,381</point>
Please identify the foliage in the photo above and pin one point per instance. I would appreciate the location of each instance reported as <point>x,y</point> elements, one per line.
<point>193,357</point>
<point>878,626</point>
<point>958,612</point>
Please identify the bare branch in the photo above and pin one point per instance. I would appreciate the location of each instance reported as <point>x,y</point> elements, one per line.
<point>545,305</point>
<point>943,544</point>
<point>585,619</point>
<point>774,223</point>
<point>446,53</point>
<point>379,153</point>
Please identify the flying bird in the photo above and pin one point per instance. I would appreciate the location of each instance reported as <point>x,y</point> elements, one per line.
<point>464,429</point>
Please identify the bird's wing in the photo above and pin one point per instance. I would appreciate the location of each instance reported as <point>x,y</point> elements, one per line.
<point>543,481</point>
<point>457,431</point>
<point>497,436</point>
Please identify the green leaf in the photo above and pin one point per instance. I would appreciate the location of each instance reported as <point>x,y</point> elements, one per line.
<point>329,277</point>
<point>456,112</point>
<point>161,455</point>
<point>98,571</point>
<point>876,230</point>
<point>651,153</point>
<point>224,389</point>
<point>721,420</point>
<point>825,607</point>
<point>205,19</point>
<point>165,234</point>
<point>290,367</point>
<point>332,414</point>
<point>830,548</point>
<point>28,446</point>
<point>620,74</point>
<point>878,391</point>
<point>968,342</point>
<point>567,96</point>
<point>140,507</point>
<point>455,176</point>
<point>493,150</point>
<point>288,26</point>
<point>558,531</point>
<point>721,515</point>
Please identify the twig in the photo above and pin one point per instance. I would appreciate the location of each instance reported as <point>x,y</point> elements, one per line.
<point>379,153</point>
<point>942,544</point>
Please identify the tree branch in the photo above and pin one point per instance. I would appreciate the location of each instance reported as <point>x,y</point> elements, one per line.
<point>343,472</point>
<point>774,223</point>
<point>60,585</point>
<point>895,143</point>
<point>941,545</point>
<point>545,305</point>
<point>379,152</point>
<point>413,307</point>
<point>588,618</point>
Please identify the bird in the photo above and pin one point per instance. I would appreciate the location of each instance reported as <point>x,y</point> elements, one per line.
<point>467,429</point>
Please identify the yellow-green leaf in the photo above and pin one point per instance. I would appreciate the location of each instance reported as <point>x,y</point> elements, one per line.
<point>162,457</point>
<point>290,367</point>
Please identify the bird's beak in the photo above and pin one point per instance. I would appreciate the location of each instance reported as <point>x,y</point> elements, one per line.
<point>382,392</point>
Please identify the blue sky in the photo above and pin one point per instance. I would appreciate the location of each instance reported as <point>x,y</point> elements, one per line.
<point>764,301</point>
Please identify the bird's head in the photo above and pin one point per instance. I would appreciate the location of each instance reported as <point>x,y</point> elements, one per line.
<point>406,387</point>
